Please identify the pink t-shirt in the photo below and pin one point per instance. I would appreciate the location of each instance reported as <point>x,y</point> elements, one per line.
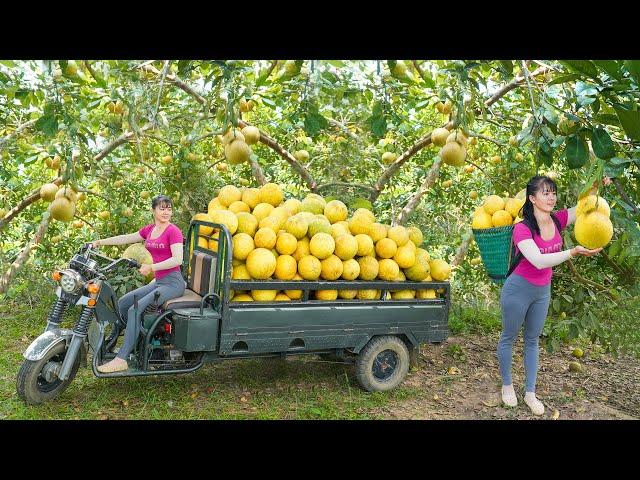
<point>160,248</point>
<point>525,268</point>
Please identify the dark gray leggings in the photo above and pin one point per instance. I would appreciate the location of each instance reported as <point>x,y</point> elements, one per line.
<point>522,303</point>
<point>171,286</point>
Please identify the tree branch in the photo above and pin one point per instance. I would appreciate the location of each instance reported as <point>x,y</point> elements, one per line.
<point>467,238</point>
<point>271,143</point>
<point>257,172</point>
<point>624,195</point>
<point>586,281</point>
<point>424,141</point>
<point>489,139</point>
<point>84,220</point>
<point>33,197</point>
<point>415,200</point>
<point>274,63</point>
<point>163,76</point>
<point>344,128</point>
<point>419,70</point>
<point>319,188</point>
<point>122,139</point>
<point>173,145</point>
<point>15,267</point>
<point>94,193</point>
<point>16,132</point>
<point>518,80</point>
<point>177,82</point>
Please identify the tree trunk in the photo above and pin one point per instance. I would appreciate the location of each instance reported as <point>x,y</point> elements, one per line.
<point>257,172</point>
<point>463,248</point>
<point>415,200</point>
<point>15,267</point>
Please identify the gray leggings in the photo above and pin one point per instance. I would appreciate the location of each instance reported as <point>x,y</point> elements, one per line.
<point>522,303</point>
<point>171,286</point>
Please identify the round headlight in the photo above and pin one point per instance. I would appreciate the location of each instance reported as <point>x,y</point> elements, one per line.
<point>71,281</point>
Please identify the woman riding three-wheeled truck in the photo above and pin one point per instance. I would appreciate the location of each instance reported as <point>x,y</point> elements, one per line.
<point>204,326</point>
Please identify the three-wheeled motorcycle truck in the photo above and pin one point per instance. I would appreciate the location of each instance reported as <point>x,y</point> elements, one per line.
<point>205,326</point>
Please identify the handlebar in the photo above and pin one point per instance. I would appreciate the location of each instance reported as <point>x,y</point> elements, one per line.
<point>87,249</point>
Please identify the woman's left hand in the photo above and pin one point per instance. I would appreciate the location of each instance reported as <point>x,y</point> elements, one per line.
<point>145,269</point>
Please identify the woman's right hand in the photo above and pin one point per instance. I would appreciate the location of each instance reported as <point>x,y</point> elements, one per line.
<point>580,250</point>
<point>95,243</point>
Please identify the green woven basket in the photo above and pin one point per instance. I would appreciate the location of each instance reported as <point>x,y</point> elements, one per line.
<point>495,249</point>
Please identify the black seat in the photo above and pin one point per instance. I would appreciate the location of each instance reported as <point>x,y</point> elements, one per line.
<point>201,280</point>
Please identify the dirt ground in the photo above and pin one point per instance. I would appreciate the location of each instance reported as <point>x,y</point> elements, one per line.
<point>460,380</point>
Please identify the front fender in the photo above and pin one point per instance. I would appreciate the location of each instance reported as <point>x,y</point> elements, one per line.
<point>45,342</point>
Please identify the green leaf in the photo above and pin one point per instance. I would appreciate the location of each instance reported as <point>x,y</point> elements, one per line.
<point>47,124</point>
<point>336,63</point>
<point>610,67</point>
<point>633,66</point>
<point>507,65</point>
<point>585,67</point>
<point>8,63</point>
<point>564,78</point>
<point>585,89</point>
<point>377,109</point>
<point>545,156</point>
<point>602,144</point>
<point>379,126</point>
<point>630,121</point>
<point>607,119</point>
<point>576,151</point>
<point>314,122</point>
<point>613,171</point>
<point>573,331</point>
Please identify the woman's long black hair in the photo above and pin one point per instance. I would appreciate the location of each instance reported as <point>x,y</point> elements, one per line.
<point>161,201</point>
<point>535,184</point>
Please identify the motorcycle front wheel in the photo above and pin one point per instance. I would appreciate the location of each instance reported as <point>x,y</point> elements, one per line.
<point>36,381</point>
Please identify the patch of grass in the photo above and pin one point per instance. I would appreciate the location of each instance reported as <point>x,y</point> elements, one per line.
<point>464,320</point>
<point>295,388</point>
<point>456,352</point>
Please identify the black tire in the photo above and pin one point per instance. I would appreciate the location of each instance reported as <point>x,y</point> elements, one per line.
<point>33,388</point>
<point>382,364</point>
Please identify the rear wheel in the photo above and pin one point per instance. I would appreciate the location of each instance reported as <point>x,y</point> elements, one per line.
<point>382,364</point>
<point>37,380</point>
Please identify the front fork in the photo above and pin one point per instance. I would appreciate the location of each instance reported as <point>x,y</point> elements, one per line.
<point>77,341</point>
<point>55,316</point>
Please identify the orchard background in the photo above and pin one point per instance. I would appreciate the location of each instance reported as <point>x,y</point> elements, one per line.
<point>119,132</point>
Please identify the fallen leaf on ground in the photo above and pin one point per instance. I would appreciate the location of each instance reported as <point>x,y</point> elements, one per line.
<point>243,399</point>
<point>491,403</point>
<point>194,395</point>
<point>453,371</point>
<point>555,415</point>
